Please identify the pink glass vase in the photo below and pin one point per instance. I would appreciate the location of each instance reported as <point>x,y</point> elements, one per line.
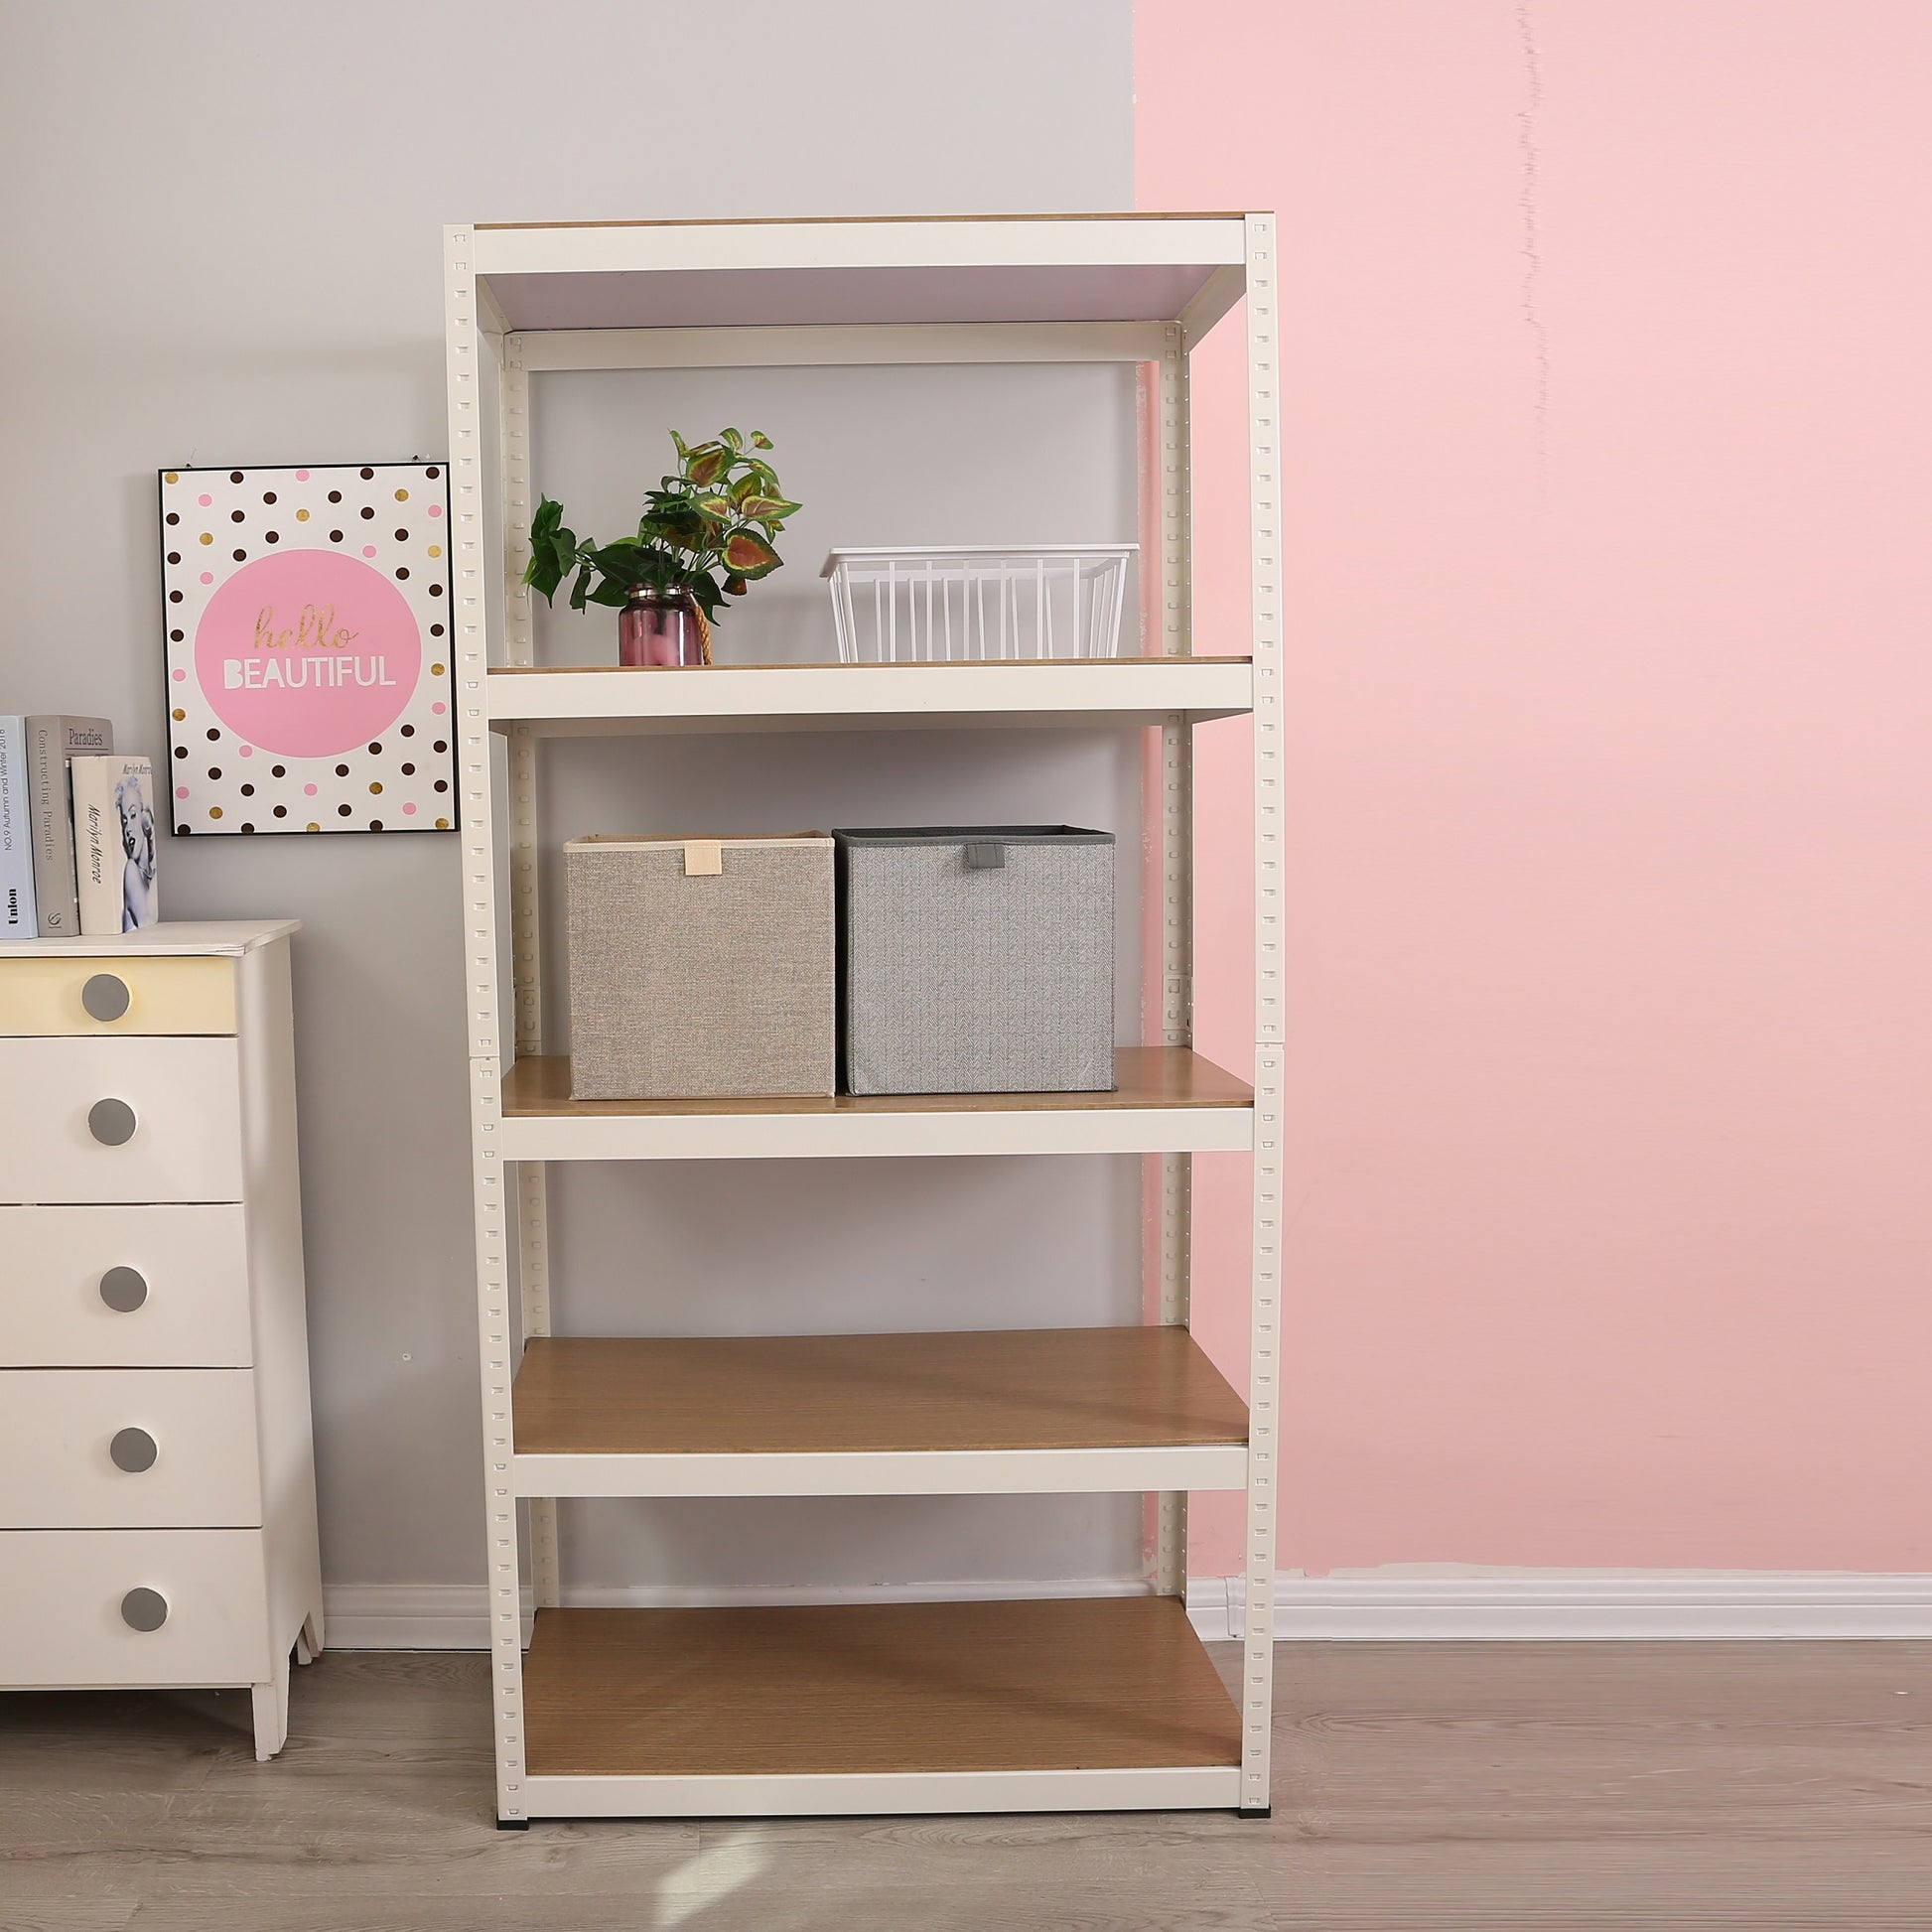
<point>660,628</point>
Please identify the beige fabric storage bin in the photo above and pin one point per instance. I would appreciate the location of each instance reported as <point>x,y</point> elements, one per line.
<point>701,968</point>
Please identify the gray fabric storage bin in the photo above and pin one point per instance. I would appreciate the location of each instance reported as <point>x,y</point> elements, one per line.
<point>701,968</point>
<point>976,959</point>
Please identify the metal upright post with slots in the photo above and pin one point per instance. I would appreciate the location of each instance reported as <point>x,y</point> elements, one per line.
<point>1038,1705</point>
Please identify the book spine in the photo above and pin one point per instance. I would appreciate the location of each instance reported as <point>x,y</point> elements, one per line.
<point>52,831</point>
<point>50,742</point>
<point>17,914</point>
<point>96,846</point>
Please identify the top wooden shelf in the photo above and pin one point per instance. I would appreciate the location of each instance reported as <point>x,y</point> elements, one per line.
<point>1093,268</point>
<point>869,697</point>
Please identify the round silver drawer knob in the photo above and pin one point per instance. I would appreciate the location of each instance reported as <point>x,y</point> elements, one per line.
<point>133,1450</point>
<point>123,1288</point>
<point>144,1610</point>
<point>111,1122</point>
<point>105,995</point>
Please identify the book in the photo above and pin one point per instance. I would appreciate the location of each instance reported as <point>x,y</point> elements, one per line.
<point>53,739</point>
<point>115,843</point>
<point>17,919</point>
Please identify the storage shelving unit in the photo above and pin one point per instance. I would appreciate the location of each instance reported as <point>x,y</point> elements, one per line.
<point>1036,1705</point>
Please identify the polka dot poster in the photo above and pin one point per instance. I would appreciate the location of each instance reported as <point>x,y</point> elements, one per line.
<point>309,666</point>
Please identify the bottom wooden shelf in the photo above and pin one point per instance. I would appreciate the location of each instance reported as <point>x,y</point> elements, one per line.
<point>872,1691</point>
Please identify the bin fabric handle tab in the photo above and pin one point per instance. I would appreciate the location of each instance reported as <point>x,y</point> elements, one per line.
<point>986,855</point>
<point>703,856</point>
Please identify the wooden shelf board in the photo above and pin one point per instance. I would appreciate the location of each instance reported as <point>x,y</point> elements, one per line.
<point>538,1087</point>
<point>582,700</point>
<point>873,1688</point>
<point>1106,268</point>
<point>874,220</point>
<point>1167,1101</point>
<point>979,667</point>
<point>778,1395</point>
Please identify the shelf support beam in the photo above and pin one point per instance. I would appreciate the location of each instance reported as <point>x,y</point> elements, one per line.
<point>527,955</point>
<point>1175,589</point>
<point>868,345</point>
<point>1255,1697</point>
<point>472,347</point>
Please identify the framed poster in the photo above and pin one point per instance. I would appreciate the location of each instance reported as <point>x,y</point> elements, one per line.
<point>307,618</point>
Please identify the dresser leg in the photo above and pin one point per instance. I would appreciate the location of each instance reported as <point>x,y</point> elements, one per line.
<point>272,1713</point>
<point>308,1640</point>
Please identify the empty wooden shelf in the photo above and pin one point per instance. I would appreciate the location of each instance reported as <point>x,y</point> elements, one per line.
<point>875,1706</point>
<point>1042,1411</point>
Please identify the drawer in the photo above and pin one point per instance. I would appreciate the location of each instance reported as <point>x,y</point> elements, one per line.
<point>124,1288</point>
<point>102,994</point>
<point>129,1449</point>
<point>120,1120</point>
<point>64,1615</point>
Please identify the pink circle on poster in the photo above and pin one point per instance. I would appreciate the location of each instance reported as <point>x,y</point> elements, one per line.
<point>301,475</point>
<point>308,652</point>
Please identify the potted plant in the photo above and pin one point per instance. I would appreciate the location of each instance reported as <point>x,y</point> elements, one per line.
<point>705,535</point>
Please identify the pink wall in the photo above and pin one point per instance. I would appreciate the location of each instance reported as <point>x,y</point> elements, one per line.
<point>1610,514</point>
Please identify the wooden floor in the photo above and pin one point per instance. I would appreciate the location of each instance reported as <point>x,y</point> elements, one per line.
<point>1448,1788</point>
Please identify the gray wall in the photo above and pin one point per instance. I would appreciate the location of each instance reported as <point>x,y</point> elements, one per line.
<point>223,223</point>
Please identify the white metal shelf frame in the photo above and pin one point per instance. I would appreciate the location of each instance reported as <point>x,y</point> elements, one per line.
<point>1082,288</point>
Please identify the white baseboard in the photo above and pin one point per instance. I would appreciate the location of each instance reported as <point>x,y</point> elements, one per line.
<point>1376,1606</point>
<point>1400,1606</point>
<point>405,1617</point>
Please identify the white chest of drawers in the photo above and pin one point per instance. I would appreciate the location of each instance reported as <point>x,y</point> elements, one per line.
<point>157,1475</point>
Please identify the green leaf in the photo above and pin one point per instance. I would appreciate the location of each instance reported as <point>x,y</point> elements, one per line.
<point>626,564</point>
<point>612,595</point>
<point>706,470</point>
<point>677,442</point>
<point>749,555</point>
<point>580,590</point>
<point>761,441</point>
<point>716,509</point>
<point>766,510</point>
<point>684,528</point>
<point>553,551</point>
<point>735,441</point>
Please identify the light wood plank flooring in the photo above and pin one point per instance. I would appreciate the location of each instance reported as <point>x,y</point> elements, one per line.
<point>1456,1787</point>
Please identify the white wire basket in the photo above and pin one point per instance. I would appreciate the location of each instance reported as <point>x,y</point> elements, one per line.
<point>966,606</point>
